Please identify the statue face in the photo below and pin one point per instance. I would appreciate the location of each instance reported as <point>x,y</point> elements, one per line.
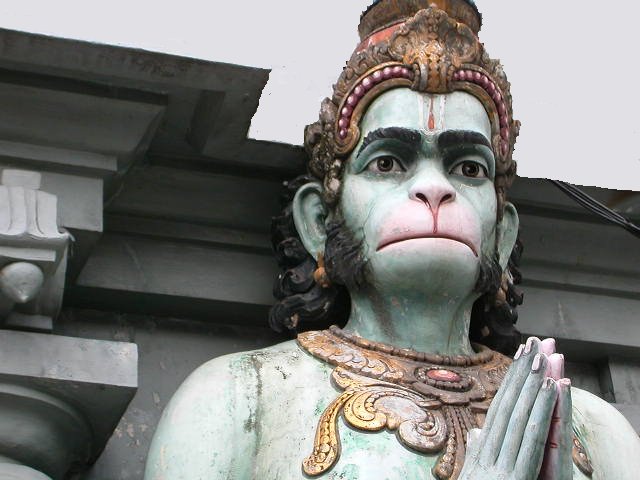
<point>418,190</point>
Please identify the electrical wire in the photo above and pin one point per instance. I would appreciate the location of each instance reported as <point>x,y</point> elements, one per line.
<point>596,207</point>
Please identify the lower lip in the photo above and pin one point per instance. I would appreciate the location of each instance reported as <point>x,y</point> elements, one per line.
<point>448,240</point>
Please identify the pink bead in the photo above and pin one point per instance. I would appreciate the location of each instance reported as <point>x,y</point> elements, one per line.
<point>396,71</point>
<point>406,73</point>
<point>377,76</point>
<point>367,83</point>
<point>504,133</point>
<point>352,100</point>
<point>505,148</point>
<point>502,109</point>
<point>503,122</point>
<point>359,91</point>
<point>491,88</point>
<point>484,81</point>
<point>343,134</point>
<point>343,123</point>
<point>386,73</point>
<point>346,111</point>
<point>462,75</point>
<point>477,77</point>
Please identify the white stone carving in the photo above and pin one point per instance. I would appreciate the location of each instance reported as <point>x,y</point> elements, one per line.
<point>33,252</point>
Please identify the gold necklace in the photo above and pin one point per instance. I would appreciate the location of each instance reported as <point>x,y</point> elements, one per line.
<point>430,401</point>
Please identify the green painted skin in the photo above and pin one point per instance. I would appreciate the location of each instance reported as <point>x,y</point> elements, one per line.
<point>253,415</point>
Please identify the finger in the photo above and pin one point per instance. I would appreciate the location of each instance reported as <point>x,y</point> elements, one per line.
<point>548,346</point>
<point>557,463</point>
<point>529,385</point>
<point>536,433</point>
<point>513,380</point>
<point>555,367</point>
<point>520,416</point>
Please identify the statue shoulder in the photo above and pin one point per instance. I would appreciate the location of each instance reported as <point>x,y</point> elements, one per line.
<point>611,443</point>
<point>211,416</point>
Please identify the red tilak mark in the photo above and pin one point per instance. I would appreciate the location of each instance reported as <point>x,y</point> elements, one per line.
<point>432,119</point>
<point>553,445</point>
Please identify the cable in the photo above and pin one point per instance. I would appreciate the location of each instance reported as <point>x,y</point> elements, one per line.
<point>596,207</point>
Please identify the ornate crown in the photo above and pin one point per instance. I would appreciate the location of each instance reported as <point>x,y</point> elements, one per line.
<point>430,46</point>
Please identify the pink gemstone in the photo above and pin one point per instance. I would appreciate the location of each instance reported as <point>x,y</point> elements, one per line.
<point>497,98</point>
<point>504,133</point>
<point>477,77</point>
<point>491,88</point>
<point>406,73</point>
<point>386,73</point>
<point>396,71</point>
<point>462,75</point>
<point>359,91</point>
<point>504,146</point>
<point>343,123</point>
<point>352,100</point>
<point>343,134</point>
<point>484,81</point>
<point>377,76</point>
<point>346,111</point>
<point>502,109</point>
<point>443,375</point>
<point>503,122</point>
<point>367,83</point>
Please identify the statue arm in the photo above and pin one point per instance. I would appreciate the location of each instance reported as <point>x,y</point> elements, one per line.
<point>203,431</point>
<point>612,443</point>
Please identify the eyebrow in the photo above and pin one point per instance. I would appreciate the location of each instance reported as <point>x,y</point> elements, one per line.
<point>405,135</point>
<point>451,138</point>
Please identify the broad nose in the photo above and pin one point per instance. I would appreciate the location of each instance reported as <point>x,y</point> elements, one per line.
<point>433,189</point>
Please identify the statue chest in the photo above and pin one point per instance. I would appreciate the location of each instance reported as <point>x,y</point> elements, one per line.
<point>317,420</point>
<point>287,437</point>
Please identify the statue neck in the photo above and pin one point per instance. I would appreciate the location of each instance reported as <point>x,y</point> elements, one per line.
<point>417,320</point>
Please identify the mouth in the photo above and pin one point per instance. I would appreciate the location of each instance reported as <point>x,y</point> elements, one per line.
<point>384,245</point>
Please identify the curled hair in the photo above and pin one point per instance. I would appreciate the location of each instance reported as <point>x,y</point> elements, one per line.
<point>303,305</point>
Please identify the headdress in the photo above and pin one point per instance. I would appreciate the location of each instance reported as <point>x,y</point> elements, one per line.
<point>430,46</point>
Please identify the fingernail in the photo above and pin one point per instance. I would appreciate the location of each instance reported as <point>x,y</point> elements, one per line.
<point>519,352</point>
<point>555,366</point>
<point>565,382</point>
<point>548,346</point>
<point>529,344</point>
<point>537,363</point>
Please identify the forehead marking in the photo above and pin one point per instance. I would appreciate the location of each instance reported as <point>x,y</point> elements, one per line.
<point>434,120</point>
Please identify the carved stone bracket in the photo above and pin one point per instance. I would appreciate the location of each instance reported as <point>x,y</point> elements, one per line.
<point>33,252</point>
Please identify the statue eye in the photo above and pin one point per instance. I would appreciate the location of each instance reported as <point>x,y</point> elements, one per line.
<point>385,164</point>
<point>470,169</point>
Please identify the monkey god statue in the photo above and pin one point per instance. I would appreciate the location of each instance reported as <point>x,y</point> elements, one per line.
<point>399,257</point>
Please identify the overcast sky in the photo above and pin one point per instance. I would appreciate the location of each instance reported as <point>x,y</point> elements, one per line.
<point>573,65</point>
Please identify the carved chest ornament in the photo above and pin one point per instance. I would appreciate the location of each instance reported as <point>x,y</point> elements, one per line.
<point>430,401</point>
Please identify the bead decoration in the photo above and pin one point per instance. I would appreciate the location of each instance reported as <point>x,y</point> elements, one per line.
<point>487,84</point>
<point>360,90</point>
<point>483,356</point>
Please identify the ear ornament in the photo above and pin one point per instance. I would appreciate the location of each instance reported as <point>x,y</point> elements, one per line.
<point>320,275</point>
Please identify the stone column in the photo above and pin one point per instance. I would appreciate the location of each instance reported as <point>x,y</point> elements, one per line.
<point>60,400</point>
<point>60,397</point>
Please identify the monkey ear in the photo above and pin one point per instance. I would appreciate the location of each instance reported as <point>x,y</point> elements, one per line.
<point>309,215</point>
<point>507,233</point>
